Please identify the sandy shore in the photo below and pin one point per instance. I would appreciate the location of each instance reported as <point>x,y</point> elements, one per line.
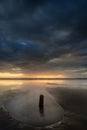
<point>74,103</point>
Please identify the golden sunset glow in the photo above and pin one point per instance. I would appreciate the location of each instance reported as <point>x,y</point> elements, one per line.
<point>21,75</point>
<point>50,76</point>
<point>10,75</point>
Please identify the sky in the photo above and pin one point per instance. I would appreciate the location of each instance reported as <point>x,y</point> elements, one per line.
<point>43,38</point>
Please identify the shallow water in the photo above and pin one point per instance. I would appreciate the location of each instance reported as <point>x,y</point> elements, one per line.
<point>21,98</point>
<point>24,105</point>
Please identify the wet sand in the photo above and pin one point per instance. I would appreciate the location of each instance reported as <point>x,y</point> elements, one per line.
<point>74,103</point>
<point>73,99</point>
<point>25,108</point>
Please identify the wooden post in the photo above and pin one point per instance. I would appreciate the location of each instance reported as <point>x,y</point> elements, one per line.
<point>41,101</point>
<point>41,104</point>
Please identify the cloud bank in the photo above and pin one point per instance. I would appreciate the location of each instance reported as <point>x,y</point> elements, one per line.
<point>49,34</point>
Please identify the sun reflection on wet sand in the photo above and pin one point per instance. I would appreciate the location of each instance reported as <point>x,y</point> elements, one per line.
<point>21,84</point>
<point>50,81</point>
<point>10,82</point>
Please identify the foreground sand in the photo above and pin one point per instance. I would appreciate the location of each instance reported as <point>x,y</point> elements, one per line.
<point>74,102</point>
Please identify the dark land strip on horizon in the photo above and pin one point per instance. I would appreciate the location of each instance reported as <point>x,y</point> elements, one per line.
<point>43,78</point>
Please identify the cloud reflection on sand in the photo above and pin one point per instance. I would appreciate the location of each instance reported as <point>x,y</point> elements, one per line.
<point>24,106</point>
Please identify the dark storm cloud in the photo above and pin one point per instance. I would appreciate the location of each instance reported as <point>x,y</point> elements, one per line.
<point>54,28</point>
<point>20,54</point>
<point>68,63</point>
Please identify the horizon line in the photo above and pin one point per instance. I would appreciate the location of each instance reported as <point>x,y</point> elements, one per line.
<point>40,78</point>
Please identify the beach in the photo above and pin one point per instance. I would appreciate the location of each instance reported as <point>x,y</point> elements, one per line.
<point>16,100</point>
